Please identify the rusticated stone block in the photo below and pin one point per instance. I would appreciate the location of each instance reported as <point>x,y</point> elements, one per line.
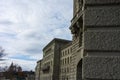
<point>102,40</point>
<point>101,1</point>
<point>101,68</point>
<point>102,16</point>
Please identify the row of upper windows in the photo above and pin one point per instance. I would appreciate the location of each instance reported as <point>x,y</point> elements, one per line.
<point>65,70</point>
<point>46,58</point>
<point>48,63</point>
<point>48,52</point>
<point>66,52</point>
<point>64,78</point>
<point>66,61</point>
<point>46,77</point>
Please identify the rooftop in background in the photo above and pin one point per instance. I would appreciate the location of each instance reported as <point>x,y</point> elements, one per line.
<point>58,40</point>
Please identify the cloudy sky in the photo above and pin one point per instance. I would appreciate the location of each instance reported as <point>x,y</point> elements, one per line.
<point>26,26</point>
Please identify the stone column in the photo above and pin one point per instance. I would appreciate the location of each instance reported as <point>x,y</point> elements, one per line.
<point>101,40</point>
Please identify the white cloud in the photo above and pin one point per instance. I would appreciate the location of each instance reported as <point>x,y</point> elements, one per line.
<point>26,26</point>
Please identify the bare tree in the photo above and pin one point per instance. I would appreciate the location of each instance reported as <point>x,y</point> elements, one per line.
<point>2,53</point>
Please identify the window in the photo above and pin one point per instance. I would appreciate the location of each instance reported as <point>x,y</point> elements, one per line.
<point>68,70</point>
<point>71,50</point>
<point>68,51</point>
<point>63,53</point>
<point>65,61</point>
<point>68,60</point>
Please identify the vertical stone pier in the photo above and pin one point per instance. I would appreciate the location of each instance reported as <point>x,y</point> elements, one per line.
<point>101,39</point>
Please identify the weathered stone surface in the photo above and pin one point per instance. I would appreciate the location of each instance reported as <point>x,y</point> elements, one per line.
<point>101,68</point>
<point>102,53</point>
<point>102,16</point>
<point>101,1</point>
<point>102,40</point>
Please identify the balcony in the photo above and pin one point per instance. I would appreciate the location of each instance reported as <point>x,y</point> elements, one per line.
<point>45,68</point>
<point>76,17</point>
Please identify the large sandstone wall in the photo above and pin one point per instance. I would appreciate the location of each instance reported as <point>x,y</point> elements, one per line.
<point>101,40</point>
<point>101,67</point>
<point>101,1</point>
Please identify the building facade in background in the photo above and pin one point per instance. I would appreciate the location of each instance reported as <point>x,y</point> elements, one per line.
<point>38,70</point>
<point>94,52</point>
<point>50,64</point>
<point>65,61</point>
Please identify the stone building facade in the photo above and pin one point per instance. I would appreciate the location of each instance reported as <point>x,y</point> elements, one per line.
<point>77,30</point>
<point>65,62</point>
<point>101,40</point>
<point>38,70</point>
<point>94,52</point>
<point>50,64</point>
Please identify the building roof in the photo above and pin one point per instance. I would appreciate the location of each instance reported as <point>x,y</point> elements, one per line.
<point>56,40</point>
<point>39,60</point>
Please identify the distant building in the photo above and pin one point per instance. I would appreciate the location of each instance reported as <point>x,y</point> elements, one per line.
<point>37,70</point>
<point>2,77</point>
<point>50,64</point>
<point>30,75</point>
<point>14,72</point>
<point>51,59</point>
